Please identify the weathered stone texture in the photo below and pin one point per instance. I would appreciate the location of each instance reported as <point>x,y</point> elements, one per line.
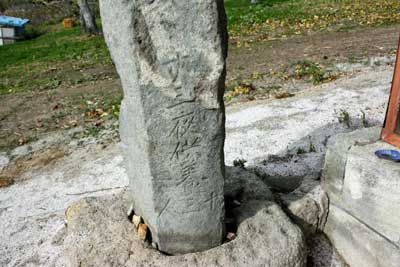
<point>358,243</point>
<point>364,215</point>
<point>99,234</point>
<point>170,56</point>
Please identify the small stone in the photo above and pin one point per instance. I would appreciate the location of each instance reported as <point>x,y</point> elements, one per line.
<point>237,203</point>
<point>305,212</point>
<point>4,160</point>
<point>130,212</point>
<point>231,236</point>
<point>137,220</point>
<point>5,181</point>
<point>142,231</point>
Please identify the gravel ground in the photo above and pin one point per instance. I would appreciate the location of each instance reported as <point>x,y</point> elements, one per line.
<point>268,134</point>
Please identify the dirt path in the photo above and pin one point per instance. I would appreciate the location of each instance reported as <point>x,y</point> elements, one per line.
<point>25,116</point>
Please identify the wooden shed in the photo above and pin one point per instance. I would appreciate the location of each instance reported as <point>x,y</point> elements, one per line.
<point>11,29</point>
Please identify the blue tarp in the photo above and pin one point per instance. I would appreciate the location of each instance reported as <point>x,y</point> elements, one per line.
<point>12,21</point>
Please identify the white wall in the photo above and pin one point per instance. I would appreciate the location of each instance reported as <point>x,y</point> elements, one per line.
<point>7,33</point>
<point>1,34</point>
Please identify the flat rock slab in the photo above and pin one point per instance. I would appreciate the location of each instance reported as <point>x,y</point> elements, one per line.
<point>359,244</point>
<point>99,233</point>
<point>364,215</point>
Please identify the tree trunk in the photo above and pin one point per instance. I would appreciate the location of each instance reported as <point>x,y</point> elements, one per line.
<point>87,18</point>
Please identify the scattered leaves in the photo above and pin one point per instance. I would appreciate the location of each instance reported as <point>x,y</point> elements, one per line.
<point>142,231</point>
<point>282,95</point>
<point>266,21</point>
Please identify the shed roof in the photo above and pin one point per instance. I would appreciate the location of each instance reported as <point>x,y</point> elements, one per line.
<point>13,21</point>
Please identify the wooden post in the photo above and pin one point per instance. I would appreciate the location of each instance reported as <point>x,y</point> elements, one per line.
<point>391,129</point>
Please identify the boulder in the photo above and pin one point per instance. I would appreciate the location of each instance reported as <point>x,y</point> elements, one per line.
<point>100,234</point>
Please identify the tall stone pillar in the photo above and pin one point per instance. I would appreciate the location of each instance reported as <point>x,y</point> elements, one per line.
<point>170,55</point>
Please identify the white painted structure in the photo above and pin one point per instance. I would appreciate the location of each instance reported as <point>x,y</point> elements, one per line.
<point>11,29</point>
<point>8,35</point>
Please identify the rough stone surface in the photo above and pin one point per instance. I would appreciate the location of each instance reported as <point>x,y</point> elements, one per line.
<point>99,234</point>
<point>308,206</point>
<point>32,226</point>
<point>364,214</point>
<point>323,254</point>
<point>240,183</point>
<point>170,56</point>
<point>336,157</point>
<point>306,212</point>
<point>358,243</point>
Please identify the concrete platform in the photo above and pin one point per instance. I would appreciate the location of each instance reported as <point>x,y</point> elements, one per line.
<point>364,192</point>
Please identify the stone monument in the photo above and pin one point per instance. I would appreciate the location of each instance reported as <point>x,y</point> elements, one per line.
<point>170,56</point>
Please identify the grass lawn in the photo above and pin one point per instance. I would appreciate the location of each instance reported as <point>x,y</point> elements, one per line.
<point>271,19</point>
<point>49,60</point>
<point>60,56</point>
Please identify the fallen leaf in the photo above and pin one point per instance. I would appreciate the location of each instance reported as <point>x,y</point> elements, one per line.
<point>142,231</point>
<point>283,95</point>
<point>231,236</point>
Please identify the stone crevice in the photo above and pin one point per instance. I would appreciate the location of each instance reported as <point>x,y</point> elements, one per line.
<point>142,36</point>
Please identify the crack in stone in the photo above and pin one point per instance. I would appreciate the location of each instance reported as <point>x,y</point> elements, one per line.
<point>367,226</point>
<point>142,37</point>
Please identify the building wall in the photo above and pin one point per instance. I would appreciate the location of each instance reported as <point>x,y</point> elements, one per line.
<point>9,32</point>
<point>7,35</point>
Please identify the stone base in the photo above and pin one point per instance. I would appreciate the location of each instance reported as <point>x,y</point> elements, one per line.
<point>364,215</point>
<point>100,234</point>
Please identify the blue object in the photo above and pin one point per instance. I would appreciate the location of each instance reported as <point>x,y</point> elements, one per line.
<point>13,21</point>
<point>392,155</point>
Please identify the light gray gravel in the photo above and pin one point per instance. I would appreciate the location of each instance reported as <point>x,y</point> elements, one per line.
<point>32,211</point>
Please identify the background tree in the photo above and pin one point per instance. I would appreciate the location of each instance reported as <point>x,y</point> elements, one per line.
<point>87,17</point>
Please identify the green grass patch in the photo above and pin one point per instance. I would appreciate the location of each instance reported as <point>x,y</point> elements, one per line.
<point>242,12</point>
<point>311,71</point>
<point>47,61</point>
<point>60,55</point>
<point>271,19</point>
<point>63,44</point>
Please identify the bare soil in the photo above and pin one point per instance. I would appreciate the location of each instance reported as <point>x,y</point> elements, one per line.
<point>25,116</point>
<point>325,47</point>
<point>12,172</point>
